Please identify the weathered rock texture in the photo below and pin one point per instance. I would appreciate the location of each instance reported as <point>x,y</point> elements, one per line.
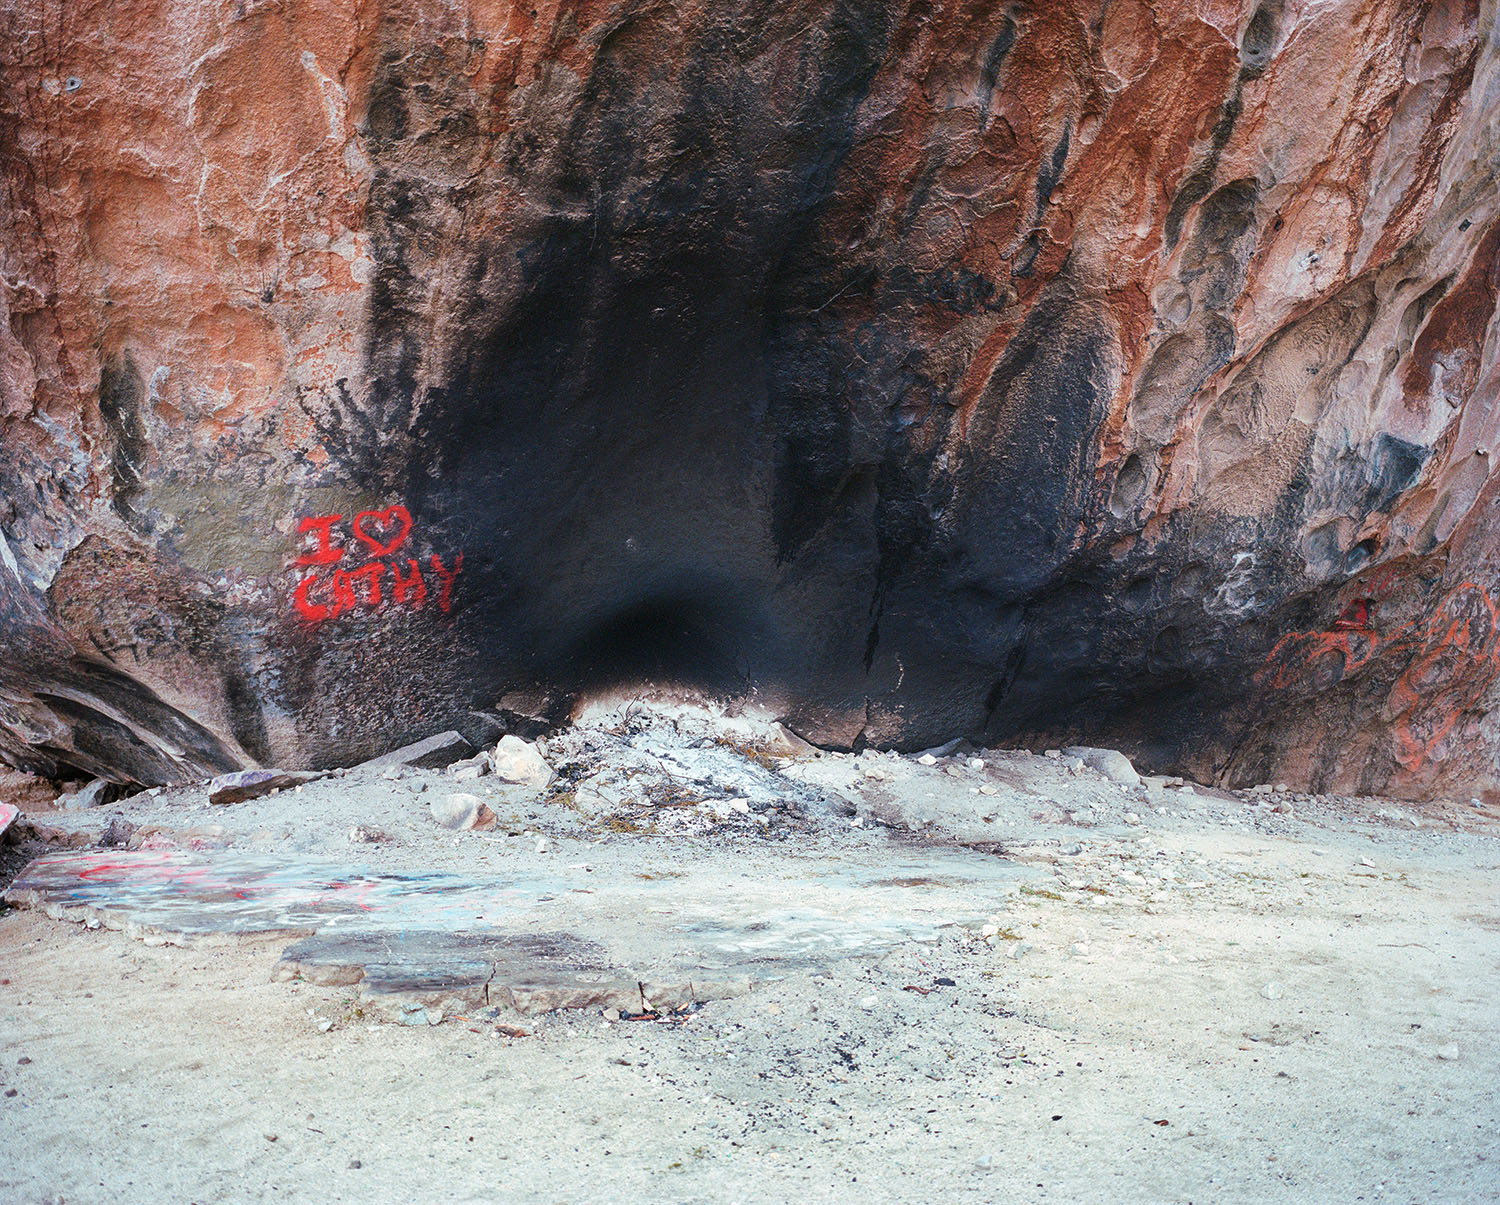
<point>1100,369</point>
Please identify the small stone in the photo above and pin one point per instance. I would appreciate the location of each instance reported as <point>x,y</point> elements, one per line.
<point>926,760</point>
<point>984,1162</point>
<point>989,789</point>
<point>117,832</point>
<point>456,812</point>
<point>869,1002</point>
<point>542,845</point>
<point>976,763</point>
<point>1448,1052</point>
<point>324,1025</point>
<point>1273,991</point>
<point>1079,949</point>
<point>1132,818</point>
<point>520,762</point>
<point>355,1165</point>
<point>1366,862</point>
<point>742,806</point>
<point>611,1014</point>
<point>367,834</point>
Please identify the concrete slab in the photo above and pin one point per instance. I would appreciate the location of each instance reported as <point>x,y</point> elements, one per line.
<point>451,943</point>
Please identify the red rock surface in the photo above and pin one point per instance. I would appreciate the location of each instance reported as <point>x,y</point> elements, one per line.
<point>1111,371</point>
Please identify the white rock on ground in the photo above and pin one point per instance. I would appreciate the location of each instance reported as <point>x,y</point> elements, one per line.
<point>1111,763</point>
<point>520,762</point>
<point>457,811</point>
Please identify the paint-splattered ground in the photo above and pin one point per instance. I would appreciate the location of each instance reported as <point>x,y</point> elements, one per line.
<point>1051,987</point>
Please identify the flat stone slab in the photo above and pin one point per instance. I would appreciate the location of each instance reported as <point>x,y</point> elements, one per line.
<point>244,785</point>
<point>431,754</point>
<point>461,971</point>
<point>449,943</point>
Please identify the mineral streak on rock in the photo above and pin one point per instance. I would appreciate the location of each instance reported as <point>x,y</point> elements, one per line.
<point>1111,373</point>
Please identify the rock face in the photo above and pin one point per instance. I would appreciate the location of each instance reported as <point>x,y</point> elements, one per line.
<point>1098,370</point>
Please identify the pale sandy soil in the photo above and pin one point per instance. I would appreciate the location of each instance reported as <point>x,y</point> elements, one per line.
<point>147,1073</point>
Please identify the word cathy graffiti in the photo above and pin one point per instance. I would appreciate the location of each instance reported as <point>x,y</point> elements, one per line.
<point>1453,656</point>
<point>378,534</point>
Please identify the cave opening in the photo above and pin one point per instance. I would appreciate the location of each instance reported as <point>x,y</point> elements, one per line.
<point>678,640</point>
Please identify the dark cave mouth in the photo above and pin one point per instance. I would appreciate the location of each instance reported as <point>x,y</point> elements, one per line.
<point>695,643</point>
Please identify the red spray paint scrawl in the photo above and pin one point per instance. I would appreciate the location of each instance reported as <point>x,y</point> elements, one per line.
<point>1452,655</point>
<point>331,589</point>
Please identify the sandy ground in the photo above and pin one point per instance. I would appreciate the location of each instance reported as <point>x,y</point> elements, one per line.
<point>1201,997</point>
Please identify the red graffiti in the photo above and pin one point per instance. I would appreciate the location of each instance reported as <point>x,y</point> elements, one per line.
<point>309,610</point>
<point>410,590</point>
<point>1457,659</point>
<point>1316,660</point>
<point>325,553</point>
<point>377,533</point>
<point>446,576</point>
<point>1356,617</point>
<point>396,517</point>
<point>1453,657</point>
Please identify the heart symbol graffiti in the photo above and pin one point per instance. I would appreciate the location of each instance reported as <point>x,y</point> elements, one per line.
<point>395,519</point>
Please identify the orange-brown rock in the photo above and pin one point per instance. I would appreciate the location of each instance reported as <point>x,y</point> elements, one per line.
<point>1105,370</point>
